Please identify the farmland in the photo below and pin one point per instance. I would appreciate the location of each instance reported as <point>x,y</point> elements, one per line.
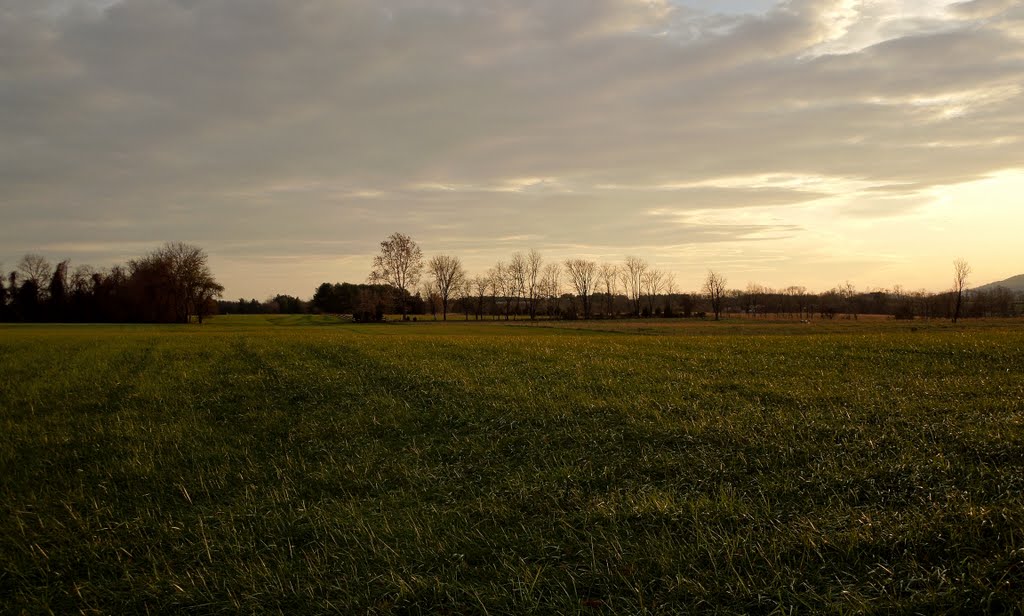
<point>300,464</point>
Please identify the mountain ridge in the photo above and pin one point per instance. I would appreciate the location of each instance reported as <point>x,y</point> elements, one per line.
<point>1013,283</point>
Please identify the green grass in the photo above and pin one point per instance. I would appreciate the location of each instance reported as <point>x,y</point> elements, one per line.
<point>299,464</point>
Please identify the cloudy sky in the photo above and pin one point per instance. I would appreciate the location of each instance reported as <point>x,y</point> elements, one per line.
<point>797,142</point>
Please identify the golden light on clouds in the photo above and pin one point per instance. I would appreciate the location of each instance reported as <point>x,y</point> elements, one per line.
<point>804,142</point>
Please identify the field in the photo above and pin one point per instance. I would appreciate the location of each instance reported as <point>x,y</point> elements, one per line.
<point>302,465</point>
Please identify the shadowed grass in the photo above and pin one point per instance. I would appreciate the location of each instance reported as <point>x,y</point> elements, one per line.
<point>297,464</point>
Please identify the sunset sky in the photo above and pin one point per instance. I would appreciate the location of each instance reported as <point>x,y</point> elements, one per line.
<point>800,142</point>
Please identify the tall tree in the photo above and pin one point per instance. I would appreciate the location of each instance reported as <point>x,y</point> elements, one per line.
<point>448,276</point>
<point>847,292</point>
<point>551,287</point>
<point>534,263</point>
<point>653,280</point>
<point>431,297</point>
<point>173,283</point>
<point>194,285</point>
<point>753,298</point>
<point>516,273</point>
<point>400,264</point>
<point>59,291</point>
<point>37,270</point>
<point>670,291</point>
<point>961,270</point>
<point>464,295</point>
<point>632,273</point>
<point>3,298</point>
<point>582,274</point>
<point>608,274</point>
<point>480,286</point>
<point>504,276</point>
<point>496,282</point>
<point>714,288</point>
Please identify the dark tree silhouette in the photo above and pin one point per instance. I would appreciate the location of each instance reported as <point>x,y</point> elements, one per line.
<point>59,292</point>
<point>399,264</point>
<point>583,275</point>
<point>961,270</point>
<point>448,276</point>
<point>714,288</point>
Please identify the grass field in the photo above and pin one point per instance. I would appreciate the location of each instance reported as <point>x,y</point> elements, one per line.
<point>297,464</point>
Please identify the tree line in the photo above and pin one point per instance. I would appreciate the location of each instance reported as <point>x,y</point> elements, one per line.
<point>172,284</point>
<point>527,286</point>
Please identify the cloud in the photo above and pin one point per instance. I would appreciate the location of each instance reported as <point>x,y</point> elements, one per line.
<point>980,9</point>
<point>248,122</point>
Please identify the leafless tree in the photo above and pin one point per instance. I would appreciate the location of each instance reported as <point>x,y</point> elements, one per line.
<point>480,286</point>
<point>632,274</point>
<point>82,280</point>
<point>670,291</point>
<point>551,286</point>
<point>961,270</point>
<point>431,297</point>
<point>714,288</point>
<point>608,274</point>
<point>754,293</point>
<point>846,293</point>
<point>399,264</point>
<point>796,294</point>
<point>503,287</point>
<point>652,282</point>
<point>195,286</point>
<point>448,276</point>
<point>37,270</point>
<point>175,282</point>
<point>582,274</point>
<point>516,274</point>
<point>534,263</point>
<point>464,295</point>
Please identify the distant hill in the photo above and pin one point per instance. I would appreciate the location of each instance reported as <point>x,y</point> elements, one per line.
<point>1016,284</point>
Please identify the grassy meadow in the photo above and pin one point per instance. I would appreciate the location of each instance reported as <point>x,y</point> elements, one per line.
<point>302,465</point>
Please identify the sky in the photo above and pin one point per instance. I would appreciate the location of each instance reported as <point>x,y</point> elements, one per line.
<point>800,142</point>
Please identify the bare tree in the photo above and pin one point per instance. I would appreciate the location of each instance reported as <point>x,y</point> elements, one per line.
<point>797,295</point>
<point>961,270</point>
<point>534,263</point>
<point>516,279</point>
<point>464,295</point>
<point>551,286</point>
<point>431,297</point>
<point>399,264</point>
<point>503,287</point>
<point>194,285</point>
<point>608,274</point>
<point>847,292</point>
<point>670,290</point>
<point>448,276</point>
<point>37,270</point>
<point>81,282</point>
<point>754,293</point>
<point>714,288</point>
<point>652,281</point>
<point>582,274</point>
<point>175,283</point>
<point>480,285</point>
<point>632,273</point>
